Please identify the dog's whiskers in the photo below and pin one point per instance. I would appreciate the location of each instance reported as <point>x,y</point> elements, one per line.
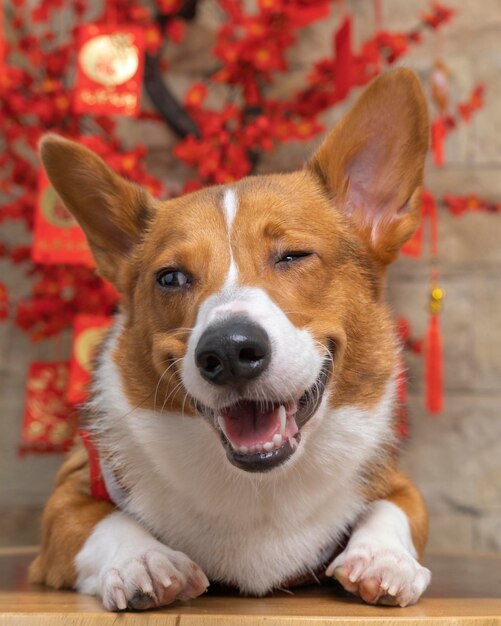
<point>174,363</point>
<point>171,394</point>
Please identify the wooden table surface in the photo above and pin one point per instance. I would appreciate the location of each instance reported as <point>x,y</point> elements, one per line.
<point>465,591</point>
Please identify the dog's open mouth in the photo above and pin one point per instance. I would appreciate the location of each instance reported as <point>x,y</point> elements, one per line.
<point>259,436</point>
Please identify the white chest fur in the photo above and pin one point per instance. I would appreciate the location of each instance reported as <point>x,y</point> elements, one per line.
<point>252,530</point>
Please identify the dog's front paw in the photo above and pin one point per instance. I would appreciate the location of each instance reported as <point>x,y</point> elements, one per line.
<point>151,579</point>
<point>380,573</point>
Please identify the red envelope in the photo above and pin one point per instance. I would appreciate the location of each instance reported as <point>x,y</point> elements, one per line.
<point>110,70</point>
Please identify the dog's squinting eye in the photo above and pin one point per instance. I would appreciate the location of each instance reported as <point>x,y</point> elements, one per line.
<point>173,279</point>
<point>291,257</point>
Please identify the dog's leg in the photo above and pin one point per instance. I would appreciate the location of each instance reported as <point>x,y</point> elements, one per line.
<point>380,563</point>
<point>90,546</point>
<point>68,519</point>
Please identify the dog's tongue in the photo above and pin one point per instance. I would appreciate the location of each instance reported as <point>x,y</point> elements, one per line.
<point>246,424</point>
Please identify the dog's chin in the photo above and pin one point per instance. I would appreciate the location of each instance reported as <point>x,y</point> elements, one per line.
<point>259,436</point>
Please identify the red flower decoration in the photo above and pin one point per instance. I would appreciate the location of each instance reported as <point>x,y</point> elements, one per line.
<point>438,15</point>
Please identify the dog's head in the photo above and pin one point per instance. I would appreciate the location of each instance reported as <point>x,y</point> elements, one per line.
<point>257,304</point>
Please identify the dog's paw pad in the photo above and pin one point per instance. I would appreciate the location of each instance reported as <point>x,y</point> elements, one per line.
<point>152,579</point>
<point>141,601</point>
<point>380,574</point>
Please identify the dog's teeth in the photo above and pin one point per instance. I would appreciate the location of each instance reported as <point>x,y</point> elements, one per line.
<point>268,446</point>
<point>282,414</point>
<point>252,449</point>
<point>277,440</point>
<point>221,422</point>
<point>243,449</point>
<point>259,447</point>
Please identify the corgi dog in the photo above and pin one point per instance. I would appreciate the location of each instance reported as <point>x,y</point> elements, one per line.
<point>242,405</point>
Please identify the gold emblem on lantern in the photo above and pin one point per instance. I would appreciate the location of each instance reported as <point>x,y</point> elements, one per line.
<point>54,210</point>
<point>86,344</point>
<point>110,60</point>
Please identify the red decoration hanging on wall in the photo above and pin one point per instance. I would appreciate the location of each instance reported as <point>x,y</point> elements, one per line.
<point>438,133</point>
<point>344,60</point>
<point>432,348</point>
<point>57,237</point>
<point>49,421</point>
<point>439,82</point>
<point>433,356</point>
<point>110,70</point>
<point>88,332</point>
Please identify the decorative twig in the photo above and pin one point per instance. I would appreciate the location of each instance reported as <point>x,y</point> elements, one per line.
<point>164,100</point>
<point>161,96</point>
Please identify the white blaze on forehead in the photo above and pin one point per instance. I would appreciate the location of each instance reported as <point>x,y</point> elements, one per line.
<point>230,206</point>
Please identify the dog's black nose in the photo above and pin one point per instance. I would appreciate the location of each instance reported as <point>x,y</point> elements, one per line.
<point>233,352</point>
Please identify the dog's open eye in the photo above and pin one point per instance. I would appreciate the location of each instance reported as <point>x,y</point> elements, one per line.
<point>292,257</point>
<point>173,279</point>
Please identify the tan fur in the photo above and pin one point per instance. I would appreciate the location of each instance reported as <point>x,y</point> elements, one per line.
<point>374,160</point>
<point>69,518</point>
<point>110,210</point>
<point>406,496</point>
<point>371,162</point>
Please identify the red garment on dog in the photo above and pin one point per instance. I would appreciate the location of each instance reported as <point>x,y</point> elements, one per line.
<point>98,489</point>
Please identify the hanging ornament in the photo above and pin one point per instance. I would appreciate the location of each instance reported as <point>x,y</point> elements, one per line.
<point>49,422</point>
<point>440,92</point>
<point>433,352</point>
<point>344,60</point>
<point>432,347</point>
<point>438,133</point>
<point>110,70</point>
<point>433,340</point>
<point>57,237</point>
<point>88,332</point>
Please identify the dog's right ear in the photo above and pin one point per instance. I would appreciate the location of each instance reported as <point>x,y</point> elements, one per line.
<point>111,211</point>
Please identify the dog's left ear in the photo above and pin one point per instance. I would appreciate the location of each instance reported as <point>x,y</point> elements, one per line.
<point>112,211</point>
<point>372,162</point>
